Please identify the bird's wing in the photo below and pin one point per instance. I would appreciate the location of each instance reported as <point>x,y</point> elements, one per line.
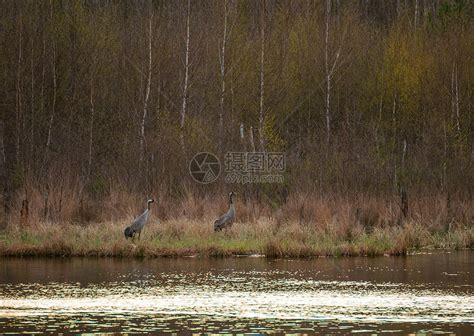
<point>140,221</point>
<point>224,219</point>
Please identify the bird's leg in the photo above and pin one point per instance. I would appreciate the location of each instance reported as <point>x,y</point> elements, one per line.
<point>139,233</point>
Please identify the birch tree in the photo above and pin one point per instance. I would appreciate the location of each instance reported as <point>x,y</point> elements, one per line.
<point>147,91</point>
<point>53,107</point>
<point>32,104</point>
<point>416,14</point>
<point>329,70</point>
<point>91,128</point>
<point>261,115</point>
<point>186,78</point>
<point>43,78</point>
<point>455,96</point>
<point>222,54</point>
<point>19,107</point>
<point>71,102</point>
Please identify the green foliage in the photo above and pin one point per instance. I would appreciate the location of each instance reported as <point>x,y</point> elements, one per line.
<point>275,143</point>
<point>98,186</point>
<point>456,12</point>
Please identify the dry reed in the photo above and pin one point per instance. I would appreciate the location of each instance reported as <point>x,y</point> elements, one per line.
<point>304,226</point>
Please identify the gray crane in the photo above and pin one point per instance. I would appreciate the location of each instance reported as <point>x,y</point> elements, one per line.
<point>138,223</point>
<point>228,218</point>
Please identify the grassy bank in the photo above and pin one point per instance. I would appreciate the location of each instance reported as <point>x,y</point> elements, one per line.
<point>303,226</point>
<point>181,237</point>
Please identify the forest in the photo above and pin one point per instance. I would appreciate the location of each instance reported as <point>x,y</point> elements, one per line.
<point>103,103</point>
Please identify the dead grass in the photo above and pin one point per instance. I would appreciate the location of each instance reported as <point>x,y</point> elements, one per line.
<point>184,237</point>
<point>304,226</point>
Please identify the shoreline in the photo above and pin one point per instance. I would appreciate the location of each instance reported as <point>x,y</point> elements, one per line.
<point>196,239</point>
<point>233,256</point>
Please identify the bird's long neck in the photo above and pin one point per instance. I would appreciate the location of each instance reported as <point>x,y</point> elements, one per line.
<point>231,203</point>
<point>148,206</point>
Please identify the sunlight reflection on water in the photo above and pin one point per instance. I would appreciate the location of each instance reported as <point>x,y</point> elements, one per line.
<point>225,299</point>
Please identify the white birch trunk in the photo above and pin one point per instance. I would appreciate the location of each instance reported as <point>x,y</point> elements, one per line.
<point>53,108</point>
<point>456,98</point>
<point>328,74</point>
<point>18,91</point>
<point>445,158</point>
<point>242,136</point>
<point>404,152</point>
<point>379,121</point>
<point>453,100</point>
<point>231,97</point>
<point>91,129</point>
<point>43,74</point>
<point>186,79</point>
<point>147,92</point>
<point>416,13</point>
<point>394,141</point>
<point>32,125</point>
<point>222,64</point>
<point>252,142</point>
<point>261,119</point>
<point>329,69</point>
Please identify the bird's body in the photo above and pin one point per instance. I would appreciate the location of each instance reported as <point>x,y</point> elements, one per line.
<point>138,223</point>
<point>226,220</point>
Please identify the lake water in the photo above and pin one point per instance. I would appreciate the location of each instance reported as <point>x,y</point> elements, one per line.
<point>422,294</point>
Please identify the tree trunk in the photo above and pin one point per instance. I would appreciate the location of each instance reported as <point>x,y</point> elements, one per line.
<point>33,116</point>
<point>261,119</point>
<point>43,75</point>
<point>328,75</point>
<point>186,80</point>
<point>455,96</point>
<point>147,92</point>
<point>91,130</point>
<point>222,64</point>
<point>394,141</point>
<point>242,137</point>
<point>252,141</point>
<point>402,165</point>
<point>19,108</point>
<point>53,108</point>
<point>445,159</point>
<point>416,14</point>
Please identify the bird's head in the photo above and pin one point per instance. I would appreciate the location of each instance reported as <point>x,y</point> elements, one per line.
<point>148,203</point>
<point>128,232</point>
<point>231,195</point>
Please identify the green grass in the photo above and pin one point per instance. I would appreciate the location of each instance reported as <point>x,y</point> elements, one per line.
<point>182,237</point>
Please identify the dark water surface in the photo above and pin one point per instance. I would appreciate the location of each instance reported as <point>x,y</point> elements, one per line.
<point>421,294</point>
